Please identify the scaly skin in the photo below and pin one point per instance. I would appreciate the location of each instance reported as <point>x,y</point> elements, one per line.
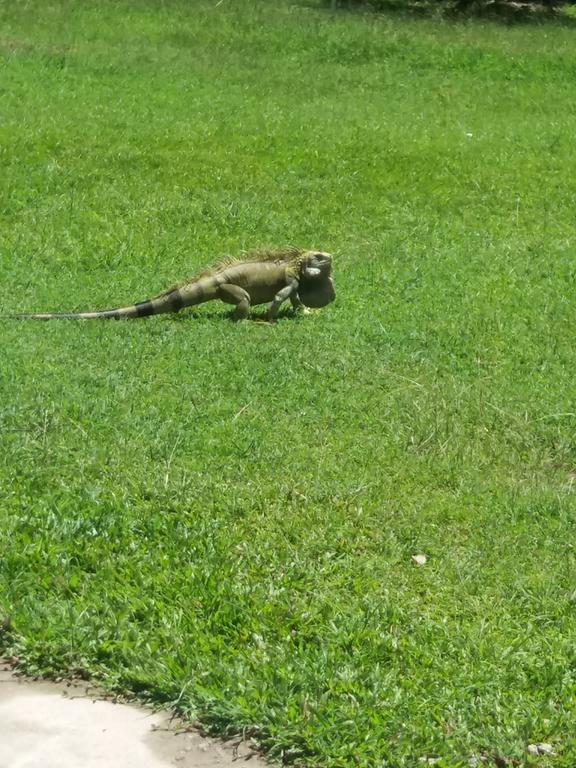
<point>259,278</point>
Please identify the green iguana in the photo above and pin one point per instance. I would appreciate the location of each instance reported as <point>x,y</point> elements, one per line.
<point>259,277</point>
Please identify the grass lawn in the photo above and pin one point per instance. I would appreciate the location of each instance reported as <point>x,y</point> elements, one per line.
<point>221,517</point>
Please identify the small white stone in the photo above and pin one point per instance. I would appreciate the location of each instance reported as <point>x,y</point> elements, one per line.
<point>419,559</point>
<point>540,749</point>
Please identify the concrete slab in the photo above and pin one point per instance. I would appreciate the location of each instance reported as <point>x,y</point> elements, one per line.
<point>62,725</point>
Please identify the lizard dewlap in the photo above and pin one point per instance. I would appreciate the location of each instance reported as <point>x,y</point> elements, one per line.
<point>317,294</point>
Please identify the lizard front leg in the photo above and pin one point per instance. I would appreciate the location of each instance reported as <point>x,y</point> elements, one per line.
<point>298,305</point>
<point>284,293</point>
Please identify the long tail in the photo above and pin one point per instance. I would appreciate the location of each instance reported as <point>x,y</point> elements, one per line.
<point>170,301</point>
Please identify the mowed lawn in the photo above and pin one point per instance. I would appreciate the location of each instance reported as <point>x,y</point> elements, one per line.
<point>222,517</point>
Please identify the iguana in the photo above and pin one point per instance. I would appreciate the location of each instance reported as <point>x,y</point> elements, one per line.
<point>259,277</point>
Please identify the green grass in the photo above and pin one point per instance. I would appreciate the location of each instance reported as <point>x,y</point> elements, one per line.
<point>221,517</point>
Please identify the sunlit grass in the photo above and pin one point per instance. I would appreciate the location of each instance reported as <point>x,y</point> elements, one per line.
<point>223,515</point>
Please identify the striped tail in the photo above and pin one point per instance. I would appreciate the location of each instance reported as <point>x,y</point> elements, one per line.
<point>170,301</point>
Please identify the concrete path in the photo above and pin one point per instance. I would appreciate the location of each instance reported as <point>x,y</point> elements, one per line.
<point>63,725</point>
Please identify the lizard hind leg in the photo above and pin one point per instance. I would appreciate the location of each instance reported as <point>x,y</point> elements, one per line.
<point>233,294</point>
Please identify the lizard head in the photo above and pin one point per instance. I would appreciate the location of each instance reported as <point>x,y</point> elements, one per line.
<point>315,265</point>
<point>316,288</point>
